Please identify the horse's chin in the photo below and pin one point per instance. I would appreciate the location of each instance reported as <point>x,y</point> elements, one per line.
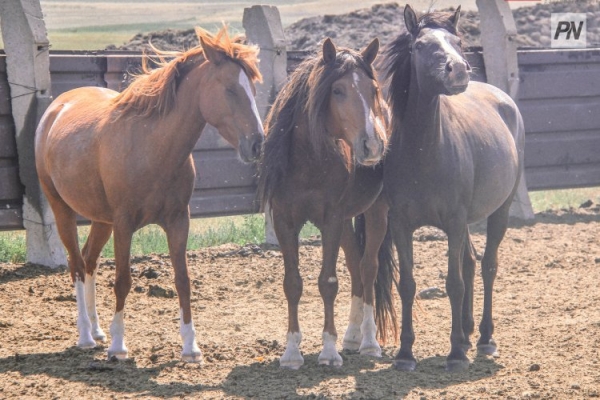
<point>452,90</point>
<point>371,162</point>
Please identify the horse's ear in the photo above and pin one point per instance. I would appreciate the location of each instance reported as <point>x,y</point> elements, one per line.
<point>455,18</point>
<point>410,19</point>
<point>329,51</point>
<point>211,54</point>
<point>370,52</point>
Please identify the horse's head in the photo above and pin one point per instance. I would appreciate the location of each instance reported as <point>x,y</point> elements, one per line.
<point>227,100</point>
<point>355,110</point>
<point>437,57</point>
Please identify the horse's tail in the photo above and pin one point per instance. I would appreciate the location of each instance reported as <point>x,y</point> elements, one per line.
<point>385,282</point>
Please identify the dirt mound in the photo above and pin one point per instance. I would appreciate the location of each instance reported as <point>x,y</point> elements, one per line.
<point>357,28</point>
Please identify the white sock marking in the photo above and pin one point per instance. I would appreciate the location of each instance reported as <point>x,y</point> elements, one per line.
<point>90,303</point>
<point>369,330</point>
<point>292,358</point>
<point>353,336</point>
<point>117,335</point>
<point>188,336</point>
<point>83,321</point>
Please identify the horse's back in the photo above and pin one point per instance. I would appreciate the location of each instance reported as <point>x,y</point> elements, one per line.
<point>488,122</point>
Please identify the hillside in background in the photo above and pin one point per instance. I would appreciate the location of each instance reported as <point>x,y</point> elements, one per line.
<point>358,28</point>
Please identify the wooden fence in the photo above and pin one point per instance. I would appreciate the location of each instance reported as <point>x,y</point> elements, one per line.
<point>559,97</point>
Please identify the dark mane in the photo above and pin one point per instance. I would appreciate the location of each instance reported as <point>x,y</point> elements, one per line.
<point>303,102</point>
<point>154,90</point>
<point>395,62</point>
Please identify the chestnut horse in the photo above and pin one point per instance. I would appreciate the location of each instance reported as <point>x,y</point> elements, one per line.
<point>455,158</point>
<point>124,161</point>
<point>326,134</point>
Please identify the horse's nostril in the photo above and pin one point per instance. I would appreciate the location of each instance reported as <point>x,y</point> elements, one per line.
<point>256,149</point>
<point>366,148</point>
<point>449,66</point>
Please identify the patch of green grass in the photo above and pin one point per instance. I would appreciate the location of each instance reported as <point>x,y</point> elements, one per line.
<point>12,247</point>
<point>204,232</point>
<point>565,198</point>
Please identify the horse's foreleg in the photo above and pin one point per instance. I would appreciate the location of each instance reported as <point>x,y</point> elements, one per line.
<point>375,230</point>
<point>177,234</point>
<point>99,235</point>
<point>404,359</point>
<point>328,287</point>
<point>122,238</point>
<point>66,224</point>
<point>468,277</point>
<point>455,287</point>
<point>287,235</point>
<point>353,336</point>
<point>496,228</point>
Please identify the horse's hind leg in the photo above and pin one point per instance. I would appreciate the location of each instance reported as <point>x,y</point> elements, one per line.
<point>123,232</point>
<point>468,277</point>
<point>287,235</point>
<point>350,245</point>
<point>67,229</point>
<point>497,224</point>
<point>177,234</point>
<point>99,235</point>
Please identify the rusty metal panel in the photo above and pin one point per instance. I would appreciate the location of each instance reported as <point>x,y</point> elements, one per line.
<point>120,69</point>
<point>11,190</point>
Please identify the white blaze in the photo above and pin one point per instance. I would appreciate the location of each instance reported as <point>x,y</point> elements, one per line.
<point>448,48</point>
<point>368,114</point>
<point>245,83</point>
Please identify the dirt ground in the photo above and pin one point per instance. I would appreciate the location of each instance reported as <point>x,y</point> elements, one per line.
<point>547,317</point>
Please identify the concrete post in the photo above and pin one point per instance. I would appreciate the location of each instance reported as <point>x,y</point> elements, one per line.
<point>263,28</point>
<point>28,69</point>
<point>502,69</point>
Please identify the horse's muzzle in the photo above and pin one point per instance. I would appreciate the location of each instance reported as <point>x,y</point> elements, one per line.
<point>369,151</point>
<point>251,147</point>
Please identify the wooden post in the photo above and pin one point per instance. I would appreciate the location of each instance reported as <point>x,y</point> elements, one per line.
<point>28,70</point>
<point>263,28</point>
<point>502,69</point>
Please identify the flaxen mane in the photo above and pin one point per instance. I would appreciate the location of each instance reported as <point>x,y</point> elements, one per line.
<point>303,102</point>
<point>395,63</point>
<point>154,90</point>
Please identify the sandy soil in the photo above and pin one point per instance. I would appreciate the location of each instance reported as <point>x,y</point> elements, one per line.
<point>547,318</point>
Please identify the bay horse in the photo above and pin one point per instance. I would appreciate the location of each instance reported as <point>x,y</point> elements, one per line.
<point>325,137</point>
<point>455,157</point>
<point>124,161</point>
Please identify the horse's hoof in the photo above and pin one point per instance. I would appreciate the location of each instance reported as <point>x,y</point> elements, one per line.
<point>86,343</point>
<point>488,349</point>
<point>351,345</point>
<point>407,365</point>
<point>99,335</point>
<point>193,357</point>
<point>335,362</point>
<point>372,351</point>
<point>457,365</point>
<point>116,355</point>
<point>291,364</point>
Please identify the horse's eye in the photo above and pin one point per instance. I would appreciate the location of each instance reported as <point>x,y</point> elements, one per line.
<point>337,91</point>
<point>231,91</point>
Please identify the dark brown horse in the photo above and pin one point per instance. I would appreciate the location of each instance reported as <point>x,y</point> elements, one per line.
<point>325,137</point>
<point>455,158</point>
<point>123,161</point>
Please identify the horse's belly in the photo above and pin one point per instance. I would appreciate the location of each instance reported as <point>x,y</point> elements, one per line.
<point>493,191</point>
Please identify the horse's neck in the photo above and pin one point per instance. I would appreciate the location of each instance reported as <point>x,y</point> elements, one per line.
<point>421,127</point>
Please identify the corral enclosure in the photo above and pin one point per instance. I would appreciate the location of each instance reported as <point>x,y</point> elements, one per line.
<point>546,297</point>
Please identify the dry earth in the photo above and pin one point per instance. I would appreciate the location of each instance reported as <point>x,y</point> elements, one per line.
<point>547,318</point>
